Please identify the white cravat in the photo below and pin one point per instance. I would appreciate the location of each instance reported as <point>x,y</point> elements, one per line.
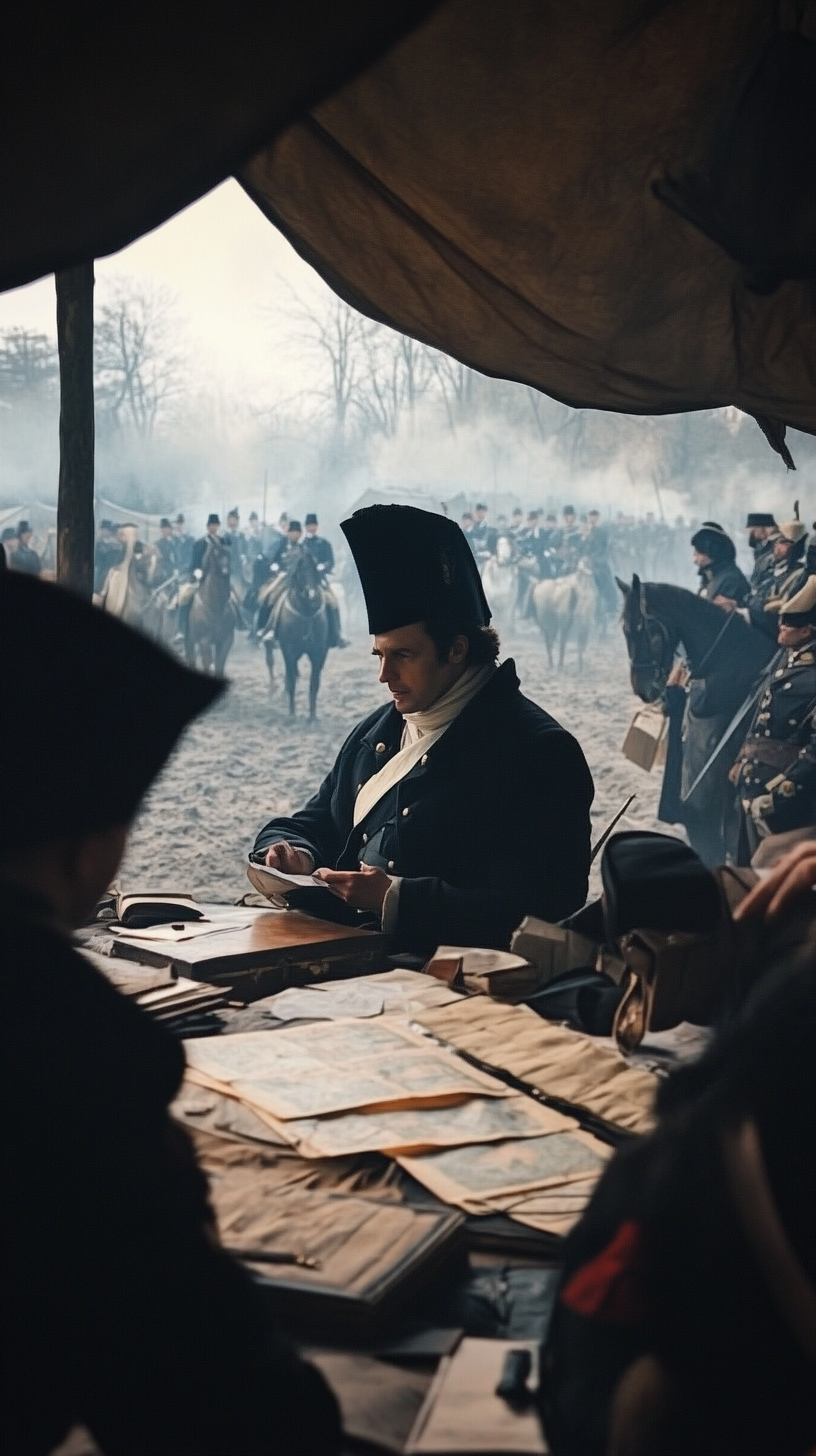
<point>421,730</point>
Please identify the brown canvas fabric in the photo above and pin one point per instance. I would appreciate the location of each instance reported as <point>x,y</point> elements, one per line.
<point>113,119</point>
<point>486,187</point>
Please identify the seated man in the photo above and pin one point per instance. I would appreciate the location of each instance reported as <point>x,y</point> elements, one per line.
<point>462,806</point>
<point>120,1312</point>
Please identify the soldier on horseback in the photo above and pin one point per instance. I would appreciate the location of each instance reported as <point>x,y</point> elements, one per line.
<point>775,771</point>
<point>320,550</point>
<point>275,573</point>
<point>715,557</point>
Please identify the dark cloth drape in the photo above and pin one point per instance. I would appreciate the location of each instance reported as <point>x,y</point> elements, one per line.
<point>486,187</point>
<point>113,117</point>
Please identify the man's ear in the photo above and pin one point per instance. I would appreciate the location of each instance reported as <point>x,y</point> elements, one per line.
<point>458,649</point>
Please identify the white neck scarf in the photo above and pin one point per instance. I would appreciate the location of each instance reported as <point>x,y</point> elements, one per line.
<point>420,732</point>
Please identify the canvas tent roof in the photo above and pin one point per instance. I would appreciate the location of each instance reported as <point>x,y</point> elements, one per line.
<point>485,185</point>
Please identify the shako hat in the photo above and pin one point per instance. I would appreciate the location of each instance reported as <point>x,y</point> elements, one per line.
<point>311,518</point>
<point>213,519</point>
<point>800,609</point>
<point>294,526</point>
<point>96,710</point>
<point>414,565</point>
<point>23,529</point>
<point>760,518</point>
<point>166,524</point>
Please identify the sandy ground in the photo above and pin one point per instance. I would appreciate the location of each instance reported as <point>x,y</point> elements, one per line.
<point>247,760</point>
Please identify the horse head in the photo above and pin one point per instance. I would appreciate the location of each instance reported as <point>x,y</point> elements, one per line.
<point>305,591</point>
<point>648,640</point>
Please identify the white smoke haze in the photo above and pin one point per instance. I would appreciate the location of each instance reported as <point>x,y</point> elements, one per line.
<point>228,373</point>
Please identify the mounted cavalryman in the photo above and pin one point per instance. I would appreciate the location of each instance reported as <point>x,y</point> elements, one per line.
<point>775,771</point>
<point>715,557</point>
<point>461,806</point>
<point>322,554</point>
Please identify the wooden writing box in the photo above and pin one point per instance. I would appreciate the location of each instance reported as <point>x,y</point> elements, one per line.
<point>278,948</point>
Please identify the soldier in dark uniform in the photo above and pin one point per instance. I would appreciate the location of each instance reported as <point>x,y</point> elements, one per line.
<point>571,543</point>
<point>166,550</point>
<point>483,536</point>
<point>200,547</point>
<point>108,552</point>
<point>775,772</point>
<point>789,571</point>
<point>25,559</point>
<point>183,543</point>
<point>762,532</point>
<point>516,524</point>
<point>120,1312</point>
<point>8,541</point>
<point>462,807</point>
<point>320,550</point>
<point>596,549</point>
<point>467,530</point>
<point>715,557</point>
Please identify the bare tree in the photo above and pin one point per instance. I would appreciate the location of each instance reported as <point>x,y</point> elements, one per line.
<point>29,365</point>
<point>455,383</point>
<point>138,370</point>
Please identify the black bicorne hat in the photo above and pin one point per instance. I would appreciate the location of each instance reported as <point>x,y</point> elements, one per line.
<point>311,518</point>
<point>96,710</point>
<point>759,518</point>
<point>414,565</point>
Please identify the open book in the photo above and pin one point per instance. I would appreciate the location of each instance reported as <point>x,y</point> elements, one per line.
<point>156,907</point>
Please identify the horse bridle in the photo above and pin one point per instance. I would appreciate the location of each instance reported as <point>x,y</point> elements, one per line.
<point>644,636</point>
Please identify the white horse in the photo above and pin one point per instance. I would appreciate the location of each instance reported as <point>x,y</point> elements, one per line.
<point>500,578</point>
<point>565,606</point>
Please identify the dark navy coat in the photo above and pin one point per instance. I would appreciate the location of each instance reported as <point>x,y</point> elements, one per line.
<point>119,1311</point>
<point>491,825</point>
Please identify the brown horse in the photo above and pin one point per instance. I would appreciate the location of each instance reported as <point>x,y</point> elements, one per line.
<point>211,623</point>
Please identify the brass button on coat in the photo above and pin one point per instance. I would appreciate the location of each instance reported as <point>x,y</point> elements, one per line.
<point>424,758</point>
<point>380,748</point>
<point>405,813</point>
<point>390,864</point>
<point>365,839</point>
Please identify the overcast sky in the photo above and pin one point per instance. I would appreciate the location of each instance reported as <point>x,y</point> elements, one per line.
<point>226,264</point>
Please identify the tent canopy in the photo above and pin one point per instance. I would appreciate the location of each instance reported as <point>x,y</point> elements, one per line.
<point>487,187</point>
<point>482,180</point>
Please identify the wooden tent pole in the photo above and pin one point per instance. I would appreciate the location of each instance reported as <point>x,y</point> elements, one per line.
<point>75,504</point>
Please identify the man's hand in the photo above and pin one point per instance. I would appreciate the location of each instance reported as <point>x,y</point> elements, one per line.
<point>363,889</point>
<point>727,603</point>
<point>790,881</point>
<point>291,861</point>
<point>678,677</point>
